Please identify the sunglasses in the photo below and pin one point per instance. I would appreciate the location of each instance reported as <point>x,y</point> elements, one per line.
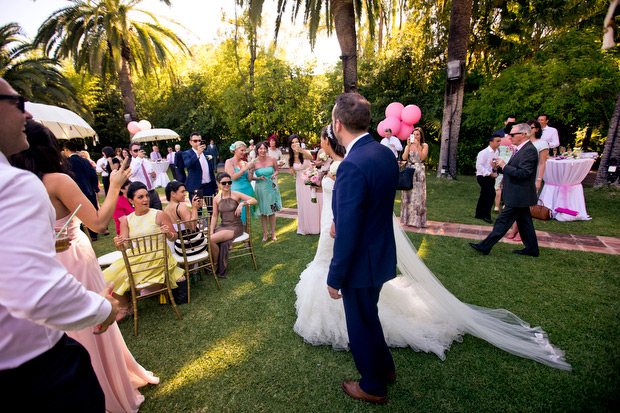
<point>135,150</point>
<point>516,133</point>
<point>226,183</point>
<point>195,140</point>
<point>18,98</point>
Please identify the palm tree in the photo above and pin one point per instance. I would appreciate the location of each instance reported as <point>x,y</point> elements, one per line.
<point>35,77</point>
<point>101,38</point>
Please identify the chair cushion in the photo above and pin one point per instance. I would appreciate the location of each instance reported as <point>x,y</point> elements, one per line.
<point>108,259</point>
<point>241,238</point>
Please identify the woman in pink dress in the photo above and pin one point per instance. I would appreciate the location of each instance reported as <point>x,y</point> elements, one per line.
<point>308,212</point>
<point>119,374</point>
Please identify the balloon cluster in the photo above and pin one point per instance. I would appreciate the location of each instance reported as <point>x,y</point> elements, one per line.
<point>400,119</point>
<point>134,127</point>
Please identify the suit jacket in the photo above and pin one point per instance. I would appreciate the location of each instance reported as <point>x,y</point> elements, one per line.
<point>84,175</point>
<point>212,150</point>
<point>520,178</point>
<point>363,205</point>
<point>179,165</point>
<point>194,171</point>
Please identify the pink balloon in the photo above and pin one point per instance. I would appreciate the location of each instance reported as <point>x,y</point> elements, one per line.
<point>133,127</point>
<point>411,114</point>
<point>405,131</point>
<point>394,109</point>
<point>381,128</point>
<point>393,123</point>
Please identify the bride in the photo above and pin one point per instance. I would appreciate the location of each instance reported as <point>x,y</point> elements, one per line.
<point>415,309</point>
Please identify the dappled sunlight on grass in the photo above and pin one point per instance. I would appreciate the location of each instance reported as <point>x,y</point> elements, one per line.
<point>243,289</point>
<point>269,276</point>
<point>224,354</point>
<point>423,250</point>
<point>292,226</point>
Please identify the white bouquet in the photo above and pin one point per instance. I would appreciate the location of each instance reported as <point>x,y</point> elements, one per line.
<point>334,167</point>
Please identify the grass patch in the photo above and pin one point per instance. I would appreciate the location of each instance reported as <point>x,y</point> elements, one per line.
<point>235,349</point>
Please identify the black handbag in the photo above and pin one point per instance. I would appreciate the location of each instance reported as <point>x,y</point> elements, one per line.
<point>405,179</point>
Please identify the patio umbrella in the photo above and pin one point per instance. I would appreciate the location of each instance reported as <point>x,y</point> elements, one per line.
<point>62,122</point>
<point>155,135</point>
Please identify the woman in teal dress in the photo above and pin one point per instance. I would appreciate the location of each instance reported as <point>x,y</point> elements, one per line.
<point>238,170</point>
<point>265,170</point>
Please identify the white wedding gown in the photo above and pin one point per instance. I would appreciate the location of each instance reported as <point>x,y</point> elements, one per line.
<point>415,309</point>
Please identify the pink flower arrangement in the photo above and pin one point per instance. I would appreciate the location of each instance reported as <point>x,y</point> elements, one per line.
<point>312,176</point>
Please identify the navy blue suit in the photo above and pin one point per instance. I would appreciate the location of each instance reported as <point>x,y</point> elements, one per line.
<point>365,253</point>
<point>194,174</point>
<point>179,166</point>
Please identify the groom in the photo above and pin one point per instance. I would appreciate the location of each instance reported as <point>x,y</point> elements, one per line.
<point>364,248</point>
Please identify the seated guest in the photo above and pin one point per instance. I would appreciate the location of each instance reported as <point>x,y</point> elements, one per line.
<point>143,221</point>
<point>177,210</point>
<point>228,205</point>
<point>123,207</point>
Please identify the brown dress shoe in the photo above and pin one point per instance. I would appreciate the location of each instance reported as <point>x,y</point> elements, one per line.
<point>353,389</point>
<point>390,377</point>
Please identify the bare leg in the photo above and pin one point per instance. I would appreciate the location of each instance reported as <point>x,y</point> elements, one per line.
<point>272,224</point>
<point>218,237</point>
<point>498,198</point>
<point>263,221</point>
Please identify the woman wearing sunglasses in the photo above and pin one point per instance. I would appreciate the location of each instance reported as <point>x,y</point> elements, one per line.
<point>228,205</point>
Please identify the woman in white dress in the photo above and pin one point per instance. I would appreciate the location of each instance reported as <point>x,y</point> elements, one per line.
<point>416,310</point>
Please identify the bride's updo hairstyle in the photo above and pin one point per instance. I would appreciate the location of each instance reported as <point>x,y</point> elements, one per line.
<point>328,133</point>
<point>135,187</point>
<point>43,156</point>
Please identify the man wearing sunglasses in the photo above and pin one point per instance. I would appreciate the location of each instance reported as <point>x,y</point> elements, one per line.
<point>200,169</point>
<point>39,300</point>
<point>519,194</point>
<point>142,171</point>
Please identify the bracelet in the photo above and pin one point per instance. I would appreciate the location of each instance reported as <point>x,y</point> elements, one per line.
<point>539,179</point>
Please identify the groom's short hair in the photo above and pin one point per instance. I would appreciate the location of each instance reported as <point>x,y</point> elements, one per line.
<point>353,111</point>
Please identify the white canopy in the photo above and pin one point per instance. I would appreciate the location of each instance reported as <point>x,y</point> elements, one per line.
<point>155,135</point>
<point>62,122</point>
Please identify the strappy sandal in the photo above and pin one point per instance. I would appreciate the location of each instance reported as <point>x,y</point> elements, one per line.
<point>124,312</point>
<point>265,238</point>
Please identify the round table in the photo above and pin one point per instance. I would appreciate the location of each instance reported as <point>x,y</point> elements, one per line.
<point>563,187</point>
<point>162,177</point>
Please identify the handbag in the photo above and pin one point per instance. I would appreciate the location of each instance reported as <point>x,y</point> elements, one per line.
<point>540,211</point>
<point>405,179</point>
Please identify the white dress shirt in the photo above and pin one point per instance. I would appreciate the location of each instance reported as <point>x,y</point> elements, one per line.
<point>398,146</point>
<point>206,176</point>
<point>353,142</point>
<point>483,161</point>
<point>550,135</point>
<point>100,167</point>
<point>156,156</point>
<point>170,157</point>
<point>38,298</point>
<point>137,174</point>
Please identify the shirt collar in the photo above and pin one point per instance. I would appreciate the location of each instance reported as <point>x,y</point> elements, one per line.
<point>522,143</point>
<point>353,142</point>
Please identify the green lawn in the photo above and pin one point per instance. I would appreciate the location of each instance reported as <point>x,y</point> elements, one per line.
<point>235,349</point>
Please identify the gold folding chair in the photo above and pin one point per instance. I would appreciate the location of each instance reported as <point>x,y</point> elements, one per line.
<point>146,254</point>
<point>242,245</point>
<point>207,204</point>
<point>196,248</point>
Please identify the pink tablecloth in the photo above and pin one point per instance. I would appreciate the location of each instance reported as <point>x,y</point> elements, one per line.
<point>563,187</point>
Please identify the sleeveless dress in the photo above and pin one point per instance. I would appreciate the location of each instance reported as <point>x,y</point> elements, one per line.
<point>118,372</point>
<point>415,309</point>
<point>226,209</point>
<point>413,202</point>
<point>242,184</point>
<point>267,193</point>
<point>140,226</point>
<point>308,212</point>
<point>505,152</point>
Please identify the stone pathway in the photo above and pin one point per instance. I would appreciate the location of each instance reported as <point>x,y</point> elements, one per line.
<point>590,243</point>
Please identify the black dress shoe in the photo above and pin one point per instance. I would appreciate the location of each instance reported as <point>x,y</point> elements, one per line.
<point>390,377</point>
<point>526,252</point>
<point>487,220</point>
<point>479,248</point>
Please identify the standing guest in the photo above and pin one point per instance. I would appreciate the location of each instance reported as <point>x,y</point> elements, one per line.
<point>86,155</point>
<point>119,374</point>
<point>485,175</point>
<point>142,171</point>
<point>125,154</point>
<point>506,150</point>
<point>178,163</point>
<point>228,205</point>
<point>118,153</point>
<point>303,143</point>
<point>170,159</point>
<point>392,142</point>
<point>238,171</point>
<point>100,169</point>
<point>212,150</point>
<point>84,175</point>
<point>364,255</point>
<point>112,164</point>
<point>502,131</point>
<point>123,207</point>
<point>44,300</point>
<point>413,202</point>
<point>274,152</point>
<point>155,155</point>
<point>265,170</point>
<point>308,212</point>
<point>200,174</point>
<point>251,152</point>
<point>519,194</point>
<point>549,133</point>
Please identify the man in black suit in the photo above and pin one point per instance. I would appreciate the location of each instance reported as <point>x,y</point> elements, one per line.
<point>179,165</point>
<point>519,194</point>
<point>212,150</point>
<point>84,175</point>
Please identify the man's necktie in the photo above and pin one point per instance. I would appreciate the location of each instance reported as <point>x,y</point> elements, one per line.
<point>147,177</point>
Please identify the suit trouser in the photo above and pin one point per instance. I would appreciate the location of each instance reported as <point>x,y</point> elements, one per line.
<point>503,223</point>
<point>487,196</point>
<point>60,380</point>
<point>370,352</point>
<point>154,201</point>
<point>93,200</point>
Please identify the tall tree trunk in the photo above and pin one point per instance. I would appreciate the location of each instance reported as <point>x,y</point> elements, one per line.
<point>612,147</point>
<point>253,47</point>
<point>344,22</point>
<point>381,23</point>
<point>125,83</point>
<point>458,37</point>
